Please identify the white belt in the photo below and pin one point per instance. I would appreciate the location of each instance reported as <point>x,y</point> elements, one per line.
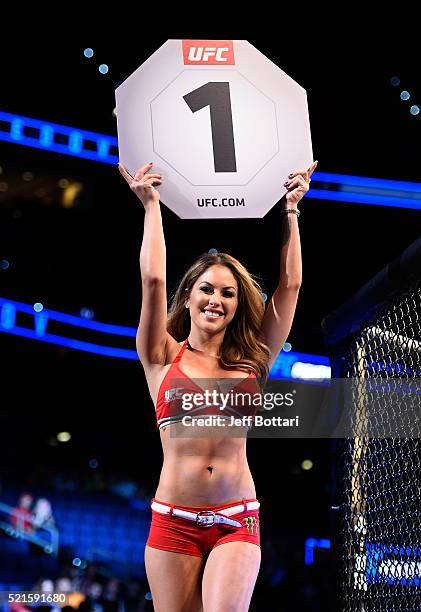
<point>207,518</point>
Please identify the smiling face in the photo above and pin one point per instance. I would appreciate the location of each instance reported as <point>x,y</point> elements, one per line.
<point>213,299</point>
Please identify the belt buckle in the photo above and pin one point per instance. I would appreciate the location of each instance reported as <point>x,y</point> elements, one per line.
<point>199,520</point>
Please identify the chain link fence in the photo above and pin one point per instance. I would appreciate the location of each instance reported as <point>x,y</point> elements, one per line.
<point>379,476</point>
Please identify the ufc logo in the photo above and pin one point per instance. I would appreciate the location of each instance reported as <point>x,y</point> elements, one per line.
<point>208,52</point>
<point>198,54</point>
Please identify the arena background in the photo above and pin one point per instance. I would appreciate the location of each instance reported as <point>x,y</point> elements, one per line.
<point>85,255</point>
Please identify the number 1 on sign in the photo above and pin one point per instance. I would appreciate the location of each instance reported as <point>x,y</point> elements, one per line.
<point>217,96</point>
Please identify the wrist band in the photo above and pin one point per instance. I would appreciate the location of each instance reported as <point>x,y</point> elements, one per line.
<point>295,211</point>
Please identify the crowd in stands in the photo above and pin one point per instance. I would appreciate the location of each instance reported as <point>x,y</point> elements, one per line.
<point>91,591</point>
<point>28,517</point>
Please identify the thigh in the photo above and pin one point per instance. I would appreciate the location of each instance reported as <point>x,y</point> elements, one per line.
<point>229,577</point>
<point>175,580</point>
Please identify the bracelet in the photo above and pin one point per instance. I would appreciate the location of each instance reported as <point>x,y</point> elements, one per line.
<point>295,211</point>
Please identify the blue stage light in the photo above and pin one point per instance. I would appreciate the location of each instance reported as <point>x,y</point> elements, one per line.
<point>61,317</point>
<point>284,367</point>
<point>310,545</point>
<point>87,313</point>
<point>40,323</point>
<point>58,138</point>
<point>7,316</point>
<point>78,142</point>
<point>78,345</point>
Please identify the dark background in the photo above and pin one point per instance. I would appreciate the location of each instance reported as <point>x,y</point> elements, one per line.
<point>87,256</point>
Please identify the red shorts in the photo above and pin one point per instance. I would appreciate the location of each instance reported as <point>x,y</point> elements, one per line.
<point>181,535</point>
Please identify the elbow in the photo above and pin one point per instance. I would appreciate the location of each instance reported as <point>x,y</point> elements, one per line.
<point>291,283</point>
<point>152,280</point>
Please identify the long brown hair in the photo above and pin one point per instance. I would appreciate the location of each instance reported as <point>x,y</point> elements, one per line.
<point>243,345</point>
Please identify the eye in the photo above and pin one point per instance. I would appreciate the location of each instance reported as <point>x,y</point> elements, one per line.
<point>229,294</point>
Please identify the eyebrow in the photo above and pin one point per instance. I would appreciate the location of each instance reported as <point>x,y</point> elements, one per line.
<point>229,287</point>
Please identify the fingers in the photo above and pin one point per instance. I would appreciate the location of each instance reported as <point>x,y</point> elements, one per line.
<point>312,167</point>
<point>305,173</point>
<point>159,176</point>
<point>152,181</point>
<point>141,172</point>
<point>126,175</point>
<point>298,181</point>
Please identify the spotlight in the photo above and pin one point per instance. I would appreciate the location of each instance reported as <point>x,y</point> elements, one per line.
<point>86,313</point>
<point>103,68</point>
<point>306,465</point>
<point>70,194</point>
<point>63,436</point>
<point>88,52</point>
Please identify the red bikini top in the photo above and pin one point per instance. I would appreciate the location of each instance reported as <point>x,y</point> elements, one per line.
<point>170,407</point>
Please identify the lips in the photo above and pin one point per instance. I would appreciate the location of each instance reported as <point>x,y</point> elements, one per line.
<point>211,313</point>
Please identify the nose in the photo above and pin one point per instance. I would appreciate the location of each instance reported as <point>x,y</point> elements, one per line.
<point>214,300</point>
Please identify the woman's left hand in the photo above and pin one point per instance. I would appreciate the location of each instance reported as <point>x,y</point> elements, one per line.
<point>298,184</point>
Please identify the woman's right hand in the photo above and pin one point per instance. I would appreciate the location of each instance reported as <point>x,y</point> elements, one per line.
<point>143,184</point>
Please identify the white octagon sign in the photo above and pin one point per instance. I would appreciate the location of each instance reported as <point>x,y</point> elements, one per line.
<point>222,123</point>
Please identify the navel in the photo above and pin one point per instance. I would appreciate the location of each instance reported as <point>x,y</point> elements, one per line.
<point>210,468</point>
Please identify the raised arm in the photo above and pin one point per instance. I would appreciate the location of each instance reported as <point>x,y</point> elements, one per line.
<point>280,310</point>
<point>151,337</point>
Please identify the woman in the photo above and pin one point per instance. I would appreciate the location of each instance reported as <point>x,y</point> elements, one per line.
<point>203,549</point>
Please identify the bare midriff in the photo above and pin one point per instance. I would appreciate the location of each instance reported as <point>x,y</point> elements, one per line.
<point>204,471</point>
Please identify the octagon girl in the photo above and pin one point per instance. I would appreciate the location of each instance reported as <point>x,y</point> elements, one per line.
<point>203,549</point>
